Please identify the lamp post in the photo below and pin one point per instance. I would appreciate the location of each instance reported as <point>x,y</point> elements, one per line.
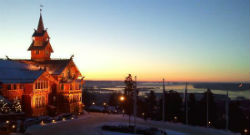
<point>245,131</point>
<point>186,104</point>
<point>135,106</point>
<point>163,100</point>
<point>122,99</point>
<point>227,110</point>
<point>207,110</point>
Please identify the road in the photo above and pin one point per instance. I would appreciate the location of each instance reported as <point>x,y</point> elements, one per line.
<point>91,125</point>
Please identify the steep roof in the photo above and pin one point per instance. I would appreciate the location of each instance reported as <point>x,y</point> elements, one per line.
<point>40,32</point>
<point>40,28</point>
<point>15,72</point>
<point>40,47</point>
<point>53,66</point>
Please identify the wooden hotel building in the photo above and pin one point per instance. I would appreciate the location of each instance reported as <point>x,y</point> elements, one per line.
<point>44,85</point>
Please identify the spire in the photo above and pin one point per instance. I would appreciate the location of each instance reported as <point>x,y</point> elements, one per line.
<point>40,27</point>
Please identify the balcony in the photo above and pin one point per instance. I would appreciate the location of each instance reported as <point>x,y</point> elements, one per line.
<point>13,94</point>
<point>71,91</point>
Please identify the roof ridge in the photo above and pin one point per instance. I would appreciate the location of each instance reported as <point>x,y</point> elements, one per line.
<point>33,60</point>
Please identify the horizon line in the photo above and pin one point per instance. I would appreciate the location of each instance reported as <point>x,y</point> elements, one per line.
<point>175,81</point>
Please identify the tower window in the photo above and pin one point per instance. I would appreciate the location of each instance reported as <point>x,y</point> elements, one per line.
<point>9,87</point>
<point>37,51</point>
<point>21,86</point>
<point>14,86</point>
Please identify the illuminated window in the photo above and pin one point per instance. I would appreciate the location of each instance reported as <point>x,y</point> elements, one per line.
<point>43,101</point>
<point>40,102</point>
<point>69,74</point>
<point>70,86</point>
<point>38,85</point>
<point>46,85</point>
<point>14,87</point>
<point>36,102</point>
<point>42,84</point>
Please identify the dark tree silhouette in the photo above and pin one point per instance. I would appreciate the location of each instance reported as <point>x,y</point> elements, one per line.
<point>128,93</point>
<point>87,97</point>
<point>173,106</point>
<point>129,85</point>
<point>151,104</point>
<point>212,116</point>
<point>193,110</point>
<point>237,120</point>
<point>142,108</point>
<point>114,99</point>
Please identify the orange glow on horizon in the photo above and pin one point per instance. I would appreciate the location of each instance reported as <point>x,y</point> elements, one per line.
<point>169,77</point>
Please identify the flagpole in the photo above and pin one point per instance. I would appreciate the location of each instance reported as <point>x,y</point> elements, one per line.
<point>186,104</point>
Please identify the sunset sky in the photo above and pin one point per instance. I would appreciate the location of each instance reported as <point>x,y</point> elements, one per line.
<point>180,40</point>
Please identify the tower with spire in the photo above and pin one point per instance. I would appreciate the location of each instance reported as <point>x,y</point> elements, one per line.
<point>40,47</point>
<point>47,86</point>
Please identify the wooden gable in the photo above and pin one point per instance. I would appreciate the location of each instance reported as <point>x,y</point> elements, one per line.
<point>71,70</point>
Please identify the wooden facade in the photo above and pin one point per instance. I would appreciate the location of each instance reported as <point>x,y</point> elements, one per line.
<point>58,89</point>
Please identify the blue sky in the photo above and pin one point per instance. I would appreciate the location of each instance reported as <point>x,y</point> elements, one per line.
<point>180,40</point>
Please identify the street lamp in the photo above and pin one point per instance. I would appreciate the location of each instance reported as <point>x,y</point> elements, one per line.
<point>245,131</point>
<point>42,123</point>
<point>13,126</point>
<point>63,119</point>
<point>122,98</point>
<point>53,121</point>
<point>209,123</point>
<point>175,118</point>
